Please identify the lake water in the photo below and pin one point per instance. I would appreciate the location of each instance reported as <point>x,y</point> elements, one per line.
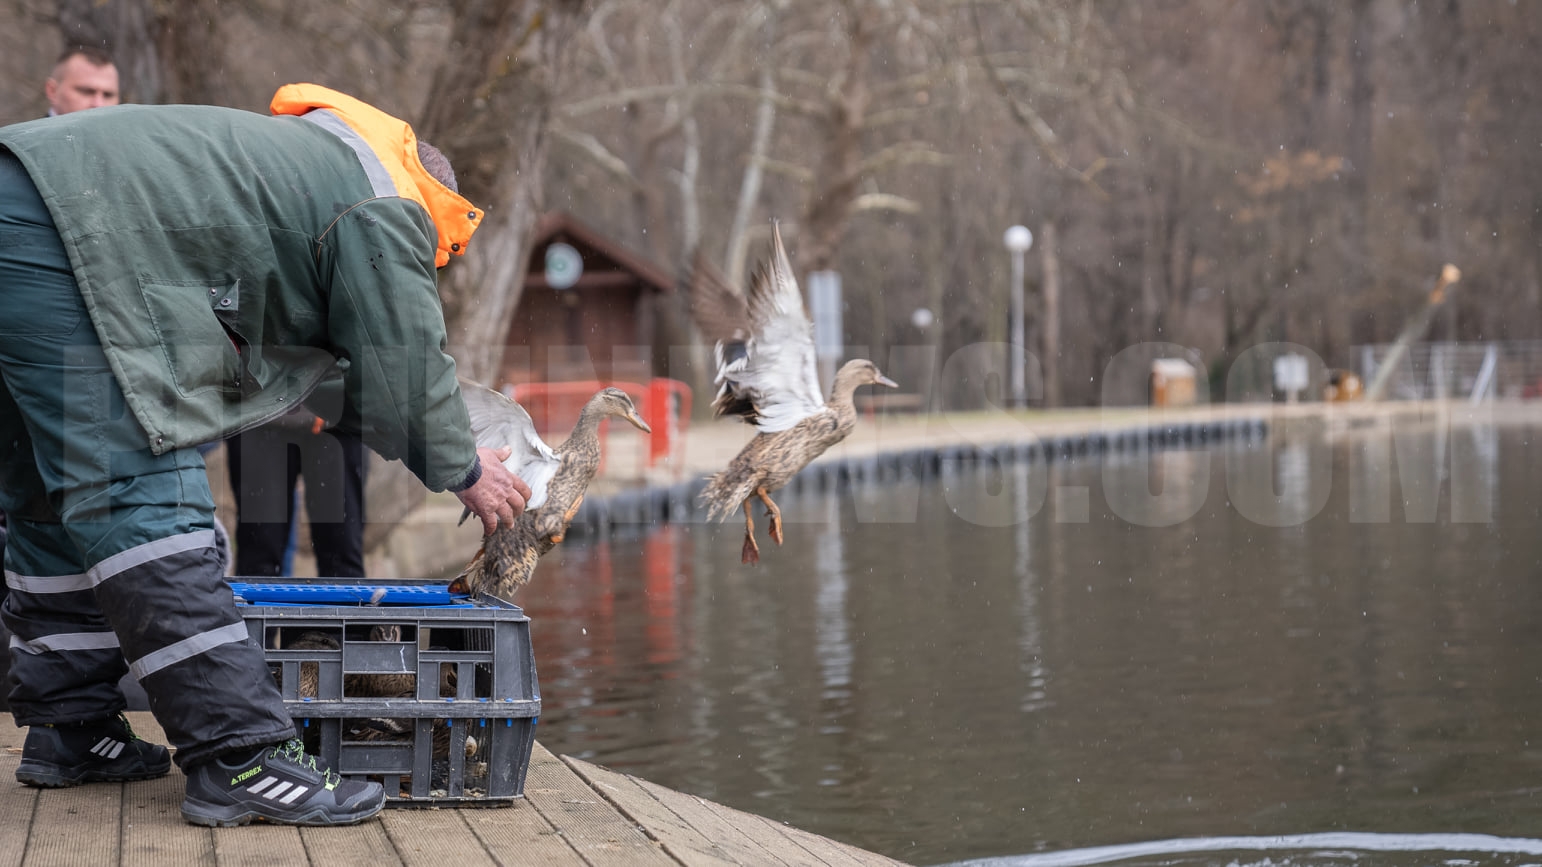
<point>1323,632</point>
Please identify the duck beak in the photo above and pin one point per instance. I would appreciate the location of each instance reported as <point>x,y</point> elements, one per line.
<point>637,422</point>
<point>884,380</point>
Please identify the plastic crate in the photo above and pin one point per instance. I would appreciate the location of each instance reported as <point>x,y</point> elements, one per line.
<point>467,668</point>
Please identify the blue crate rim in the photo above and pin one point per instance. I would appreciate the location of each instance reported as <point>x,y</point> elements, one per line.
<point>362,592</point>
<point>464,607</point>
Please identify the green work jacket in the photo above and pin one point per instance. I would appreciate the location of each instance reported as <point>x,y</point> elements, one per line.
<point>231,260</point>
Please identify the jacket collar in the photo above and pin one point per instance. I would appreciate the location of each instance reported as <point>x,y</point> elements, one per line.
<point>396,170</point>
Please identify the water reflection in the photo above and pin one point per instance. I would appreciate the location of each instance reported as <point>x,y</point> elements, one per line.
<point>1031,657</point>
<point>1024,668</point>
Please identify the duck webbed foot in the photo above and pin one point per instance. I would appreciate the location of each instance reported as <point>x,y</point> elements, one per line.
<point>774,513</point>
<point>750,554</point>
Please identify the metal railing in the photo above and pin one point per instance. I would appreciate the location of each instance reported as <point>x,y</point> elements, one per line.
<point>1446,370</point>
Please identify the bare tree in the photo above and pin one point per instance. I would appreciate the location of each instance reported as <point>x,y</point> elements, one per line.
<point>1217,173</point>
<point>488,107</point>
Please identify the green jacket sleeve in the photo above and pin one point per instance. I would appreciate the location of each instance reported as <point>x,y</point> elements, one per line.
<point>384,317</point>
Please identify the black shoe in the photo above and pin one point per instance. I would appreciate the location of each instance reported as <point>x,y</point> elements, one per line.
<point>279,784</point>
<point>106,750</point>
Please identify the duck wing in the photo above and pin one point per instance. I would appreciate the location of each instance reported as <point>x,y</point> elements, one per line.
<point>497,421</point>
<point>719,309</point>
<point>770,379</point>
<point>723,315</point>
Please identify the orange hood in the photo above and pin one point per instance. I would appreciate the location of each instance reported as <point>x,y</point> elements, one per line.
<point>393,142</point>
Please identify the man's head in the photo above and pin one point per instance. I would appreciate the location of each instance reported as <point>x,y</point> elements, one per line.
<point>84,77</point>
<point>438,165</point>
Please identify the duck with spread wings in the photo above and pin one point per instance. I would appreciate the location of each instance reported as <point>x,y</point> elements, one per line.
<point>767,376</point>
<point>508,555</point>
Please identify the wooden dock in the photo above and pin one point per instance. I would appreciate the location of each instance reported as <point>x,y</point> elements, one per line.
<point>573,813</point>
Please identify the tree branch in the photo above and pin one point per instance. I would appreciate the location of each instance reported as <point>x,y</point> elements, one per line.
<point>597,151</point>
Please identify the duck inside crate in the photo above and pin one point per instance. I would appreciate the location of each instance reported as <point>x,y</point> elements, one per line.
<point>438,703</point>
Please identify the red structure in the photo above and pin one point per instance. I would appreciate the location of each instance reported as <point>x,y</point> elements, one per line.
<point>665,404</point>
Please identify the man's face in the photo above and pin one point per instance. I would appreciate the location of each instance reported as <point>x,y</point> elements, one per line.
<point>78,83</point>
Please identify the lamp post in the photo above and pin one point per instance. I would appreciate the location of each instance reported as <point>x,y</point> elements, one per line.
<point>1018,239</point>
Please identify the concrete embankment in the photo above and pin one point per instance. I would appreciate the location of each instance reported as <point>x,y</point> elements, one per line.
<point>881,462</point>
<point>628,492</point>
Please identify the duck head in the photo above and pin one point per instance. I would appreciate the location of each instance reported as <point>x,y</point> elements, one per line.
<point>614,401</point>
<point>858,372</point>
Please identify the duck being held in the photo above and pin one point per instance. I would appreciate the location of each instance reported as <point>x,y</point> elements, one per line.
<point>767,376</point>
<point>508,555</point>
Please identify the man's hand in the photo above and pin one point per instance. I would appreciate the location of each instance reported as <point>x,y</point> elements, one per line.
<point>499,496</point>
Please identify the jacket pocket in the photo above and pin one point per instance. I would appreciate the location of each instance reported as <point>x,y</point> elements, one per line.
<point>200,353</point>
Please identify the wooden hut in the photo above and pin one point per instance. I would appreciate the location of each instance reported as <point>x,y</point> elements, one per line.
<point>587,312</point>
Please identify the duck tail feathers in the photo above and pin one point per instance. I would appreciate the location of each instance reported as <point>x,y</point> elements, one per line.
<point>712,497</point>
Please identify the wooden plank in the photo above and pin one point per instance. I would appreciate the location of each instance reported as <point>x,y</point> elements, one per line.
<point>154,832</point>
<point>594,828</point>
<point>744,837</point>
<point>728,828</point>
<point>830,851</point>
<point>17,805</point>
<point>767,834</point>
<point>432,838</point>
<point>816,849</point>
<point>364,843</point>
<point>260,846</point>
<point>519,835</point>
<point>75,826</point>
<point>865,856</point>
<point>680,836</point>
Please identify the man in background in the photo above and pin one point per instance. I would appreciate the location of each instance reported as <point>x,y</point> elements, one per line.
<point>84,77</point>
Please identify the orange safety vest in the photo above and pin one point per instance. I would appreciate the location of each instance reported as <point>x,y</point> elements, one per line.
<point>394,144</point>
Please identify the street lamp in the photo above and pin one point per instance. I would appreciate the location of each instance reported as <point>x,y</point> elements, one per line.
<point>1018,239</point>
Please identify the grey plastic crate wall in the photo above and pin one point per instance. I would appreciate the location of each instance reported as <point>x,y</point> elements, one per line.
<point>497,695</point>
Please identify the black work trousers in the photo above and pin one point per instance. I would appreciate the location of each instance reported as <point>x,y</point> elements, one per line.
<point>110,558</point>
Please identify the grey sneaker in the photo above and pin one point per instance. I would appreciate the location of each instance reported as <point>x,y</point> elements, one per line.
<point>105,750</point>
<point>281,784</point>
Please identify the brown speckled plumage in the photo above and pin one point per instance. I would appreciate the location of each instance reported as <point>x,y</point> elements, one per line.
<point>765,357</point>
<point>508,556</point>
<point>377,686</point>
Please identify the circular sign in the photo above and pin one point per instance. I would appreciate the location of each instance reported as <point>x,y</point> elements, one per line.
<point>564,265</point>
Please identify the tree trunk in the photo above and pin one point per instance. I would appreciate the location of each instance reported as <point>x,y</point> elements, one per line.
<point>1358,180</point>
<point>487,109</point>
<point>749,184</point>
<point>127,30</point>
<point>1049,253</point>
<point>837,179</point>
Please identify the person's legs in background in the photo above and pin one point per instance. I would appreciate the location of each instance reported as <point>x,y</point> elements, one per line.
<point>333,466</point>
<point>264,467</point>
